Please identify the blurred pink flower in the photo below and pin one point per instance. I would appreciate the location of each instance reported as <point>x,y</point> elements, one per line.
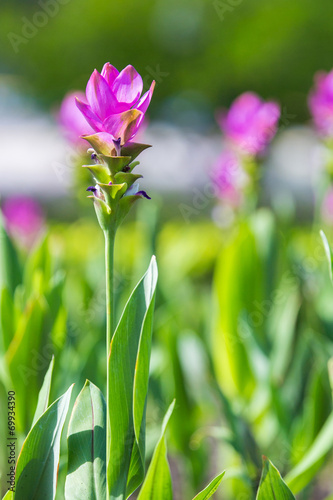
<point>327,207</point>
<point>115,105</point>
<point>251,123</point>
<point>72,121</point>
<point>229,178</point>
<point>321,103</point>
<point>23,218</point>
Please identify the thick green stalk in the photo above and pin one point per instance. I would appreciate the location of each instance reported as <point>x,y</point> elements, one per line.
<point>109,235</point>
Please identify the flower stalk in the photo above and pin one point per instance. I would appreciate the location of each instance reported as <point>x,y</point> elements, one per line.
<point>109,236</point>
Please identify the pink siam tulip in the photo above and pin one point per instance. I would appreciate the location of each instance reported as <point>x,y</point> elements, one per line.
<point>229,178</point>
<point>72,121</point>
<point>321,103</point>
<point>251,123</point>
<point>115,106</point>
<point>23,219</point>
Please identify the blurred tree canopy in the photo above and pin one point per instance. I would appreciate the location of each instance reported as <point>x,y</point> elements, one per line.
<point>204,52</point>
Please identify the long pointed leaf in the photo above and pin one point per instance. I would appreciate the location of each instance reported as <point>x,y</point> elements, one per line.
<point>210,488</point>
<point>44,393</point>
<point>21,361</point>
<point>307,468</point>
<point>7,319</point>
<point>37,465</point>
<point>328,253</point>
<point>129,371</point>
<point>86,477</point>
<point>158,484</point>
<point>10,269</point>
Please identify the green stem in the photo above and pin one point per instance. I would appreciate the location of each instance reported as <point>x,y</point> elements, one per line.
<point>109,235</point>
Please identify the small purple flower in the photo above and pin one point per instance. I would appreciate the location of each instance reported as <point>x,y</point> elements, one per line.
<point>23,219</point>
<point>135,190</point>
<point>114,102</point>
<point>143,194</point>
<point>72,121</point>
<point>229,178</point>
<point>327,207</point>
<point>321,103</point>
<point>251,123</point>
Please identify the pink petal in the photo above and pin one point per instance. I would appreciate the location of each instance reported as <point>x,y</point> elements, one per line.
<point>100,96</point>
<point>91,118</point>
<point>128,86</point>
<point>242,112</point>
<point>124,125</point>
<point>269,114</point>
<point>145,99</point>
<point>110,73</point>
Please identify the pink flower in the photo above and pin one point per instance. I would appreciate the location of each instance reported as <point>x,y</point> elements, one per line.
<point>23,219</point>
<point>321,103</point>
<point>72,121</point>
<point>229,178</point>
<point>114,102</point>
<point>250,124</point>
<point>327,207</point>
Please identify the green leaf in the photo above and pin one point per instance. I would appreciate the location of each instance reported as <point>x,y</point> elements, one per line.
<point>308,467</point>
<point>235,281</point>
<point>210,489</point>
<point>157,484</point>
<point>10,269</point>
<point>283,334</point>
<point>272,486</point>
<point>328,252</point>
<point>7,319</point>
<point>37,270</point>
<point>44,393</point>
<point>133,149</point>
<point>8,496</point>
<point>86,477</point>
<point>330,372</point>
<point>129,371</point>
<point>37,465</point>
<point>25,362</point>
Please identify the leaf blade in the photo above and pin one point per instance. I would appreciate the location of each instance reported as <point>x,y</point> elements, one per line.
<point>307,468</point>
<point>129,369</point>
<point>328,253</point>
<point>210,488</point>
<point>44,393</point>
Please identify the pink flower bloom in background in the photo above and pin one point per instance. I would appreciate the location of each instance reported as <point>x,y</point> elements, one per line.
<point>229,178</point>
<point>251,123</point>
<point>321,103</point>
<point>115,105</point>
<point>23,218</point>
<point>327,207</point>
<point>72,121</point>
